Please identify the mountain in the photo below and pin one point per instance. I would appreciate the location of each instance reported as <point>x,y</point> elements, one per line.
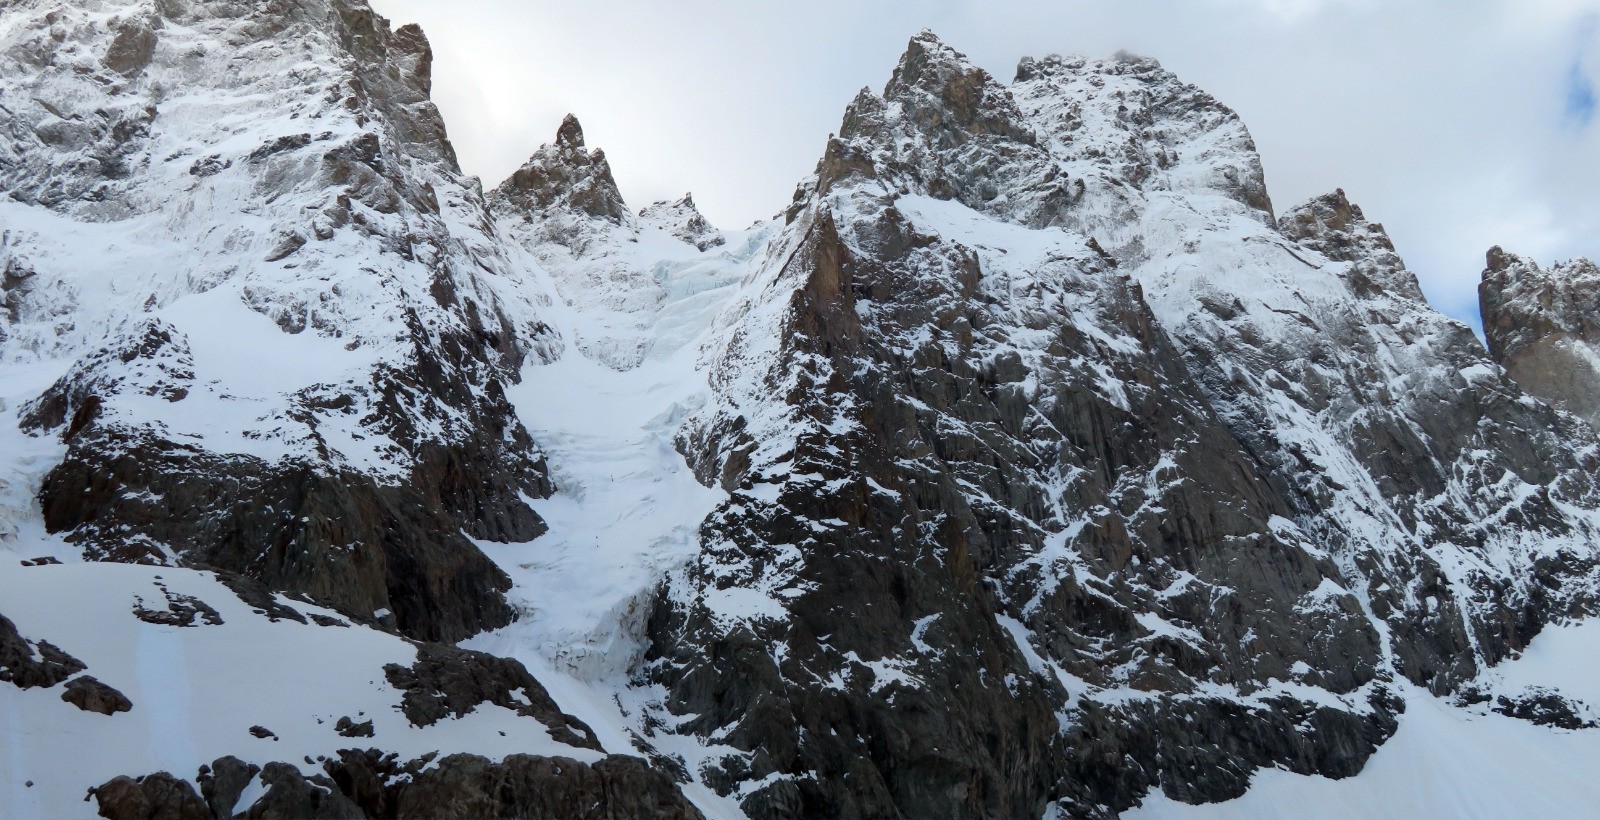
<point>1028,464</point>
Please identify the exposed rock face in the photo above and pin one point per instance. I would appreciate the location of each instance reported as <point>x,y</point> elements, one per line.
<point>159,796</point>
<point>1543,327</point>
<point>999,451</point>
<point>91,695</point>
<point>1336,228</point>
<point>563,179</point>
<point>448,683</point>
<point>359,481</point>
<point>370,784</point>
<point>27,664</point>
<point>1049,384</point>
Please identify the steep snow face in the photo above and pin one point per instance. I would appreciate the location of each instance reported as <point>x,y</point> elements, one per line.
<point>237,233</point>
<point>626,508</point>
<point>1542,326</point>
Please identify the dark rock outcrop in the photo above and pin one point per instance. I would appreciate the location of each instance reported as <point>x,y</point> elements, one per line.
<point>27,664</point>
<point>446,682</point>
<point>159,796</point>
<point>563,176</point>
<point>1546,707</point>
<point>91,695</point>
<point>363,784</point>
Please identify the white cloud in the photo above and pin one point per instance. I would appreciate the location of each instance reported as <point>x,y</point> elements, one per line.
<point>1445,119</point>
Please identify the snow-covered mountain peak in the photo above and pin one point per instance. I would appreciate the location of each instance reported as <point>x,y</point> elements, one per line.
<point>940,90</point>
<point>271,283</point>
<point>1029,467</point>
<point>683,220</point>
<point>1126,123</point>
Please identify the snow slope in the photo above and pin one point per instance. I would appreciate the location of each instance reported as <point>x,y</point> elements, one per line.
<point>198,690</point>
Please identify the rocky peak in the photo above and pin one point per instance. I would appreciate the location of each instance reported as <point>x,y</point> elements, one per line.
<point>683,220</point>
<point>563,178</point>
<point>942,127</point>
<point>953,100</point>
<point>1335,227</point>
<point>570,134</point>
<point>169,238</point>
<point>1543,326</point>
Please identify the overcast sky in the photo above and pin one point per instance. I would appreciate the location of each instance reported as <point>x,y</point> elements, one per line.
<point>1459,124</point>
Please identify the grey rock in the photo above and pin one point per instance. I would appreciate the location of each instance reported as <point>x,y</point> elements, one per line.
<point>291,794</point>
<point>159,796</point>
<point>564,176</point>
<point>132,49</point>
<point>1543,327</point>
<point>222,783</point>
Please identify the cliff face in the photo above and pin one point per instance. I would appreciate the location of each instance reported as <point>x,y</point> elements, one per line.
<point>1542,326</point>
<point>1027,464</point>
<point>1057,427</point>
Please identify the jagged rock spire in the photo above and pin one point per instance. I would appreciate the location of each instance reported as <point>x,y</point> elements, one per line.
<point>564,176</point>
<point>570,135</point>
<point>942,90</point>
